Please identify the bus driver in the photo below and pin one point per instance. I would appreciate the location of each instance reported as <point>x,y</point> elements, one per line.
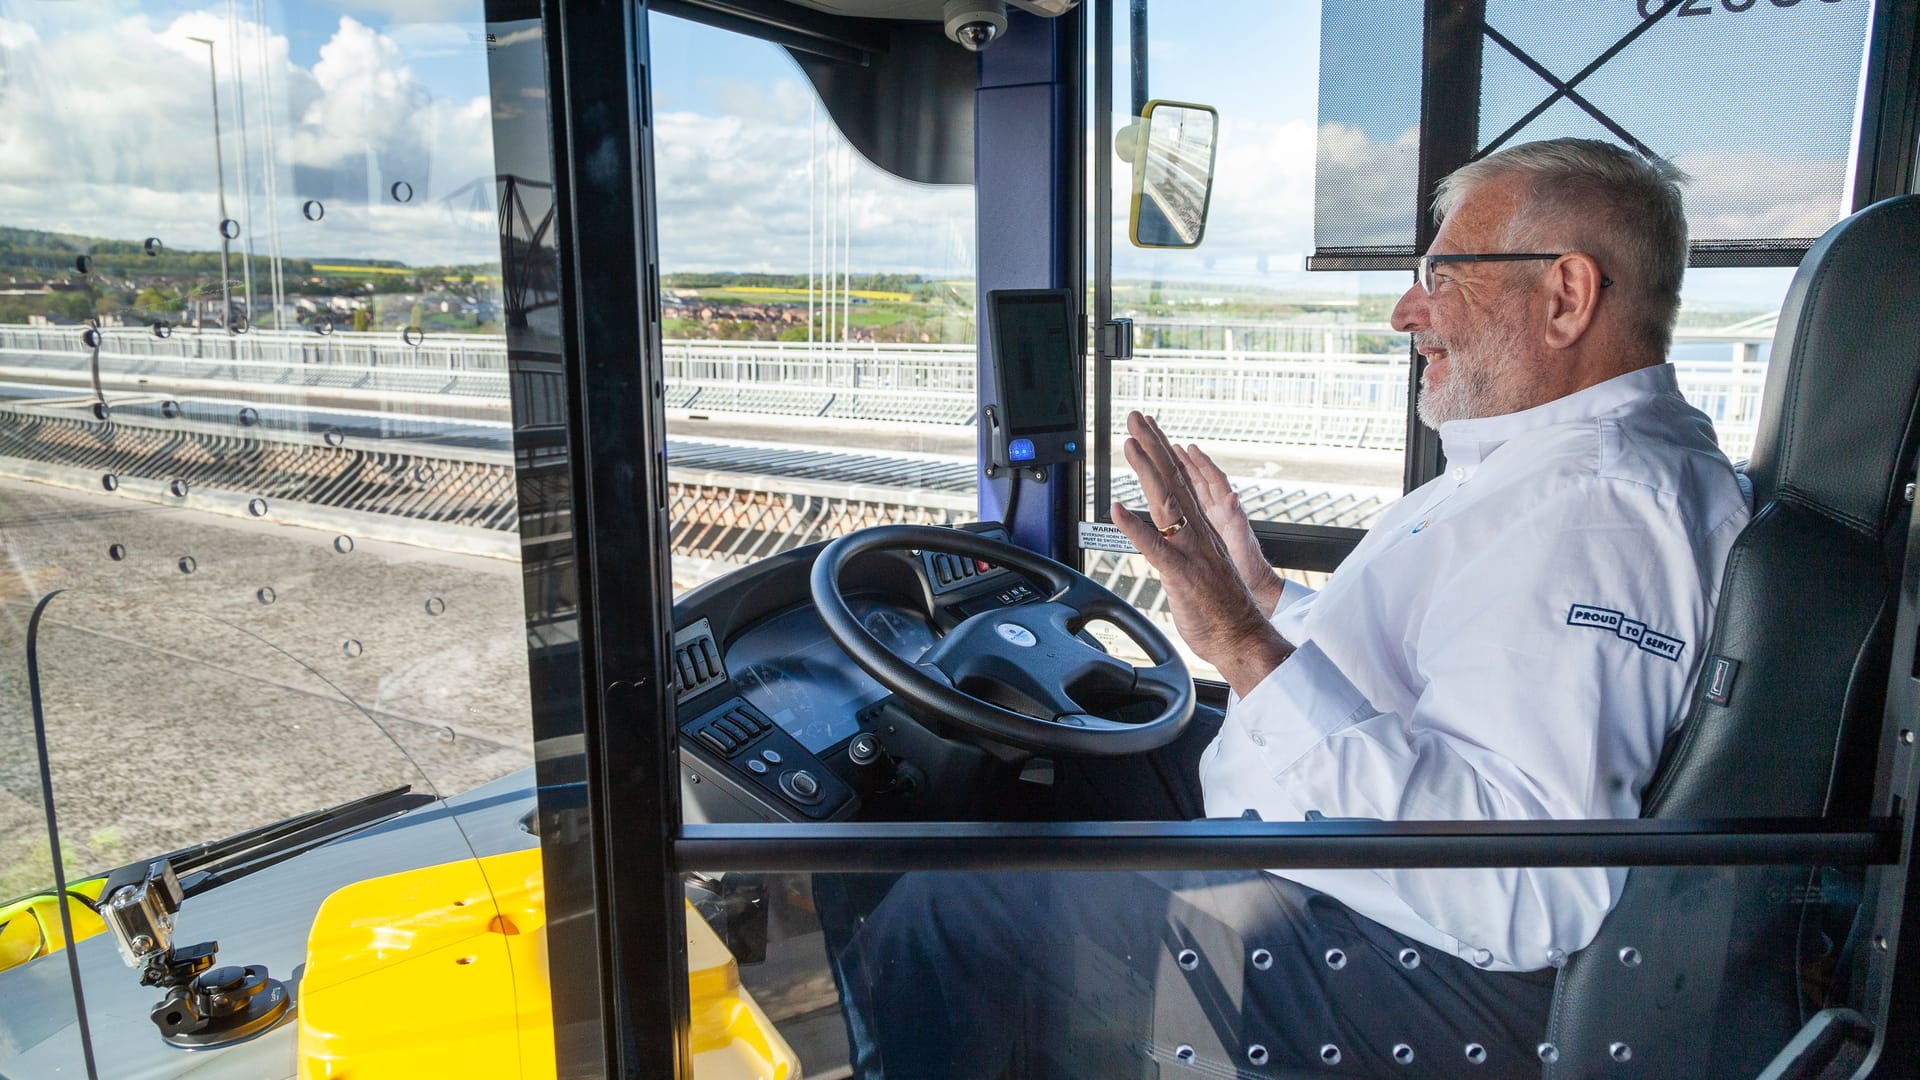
<point>1514,640</point>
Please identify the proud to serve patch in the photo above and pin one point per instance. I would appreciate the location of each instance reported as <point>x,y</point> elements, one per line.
<point>1626,629</point>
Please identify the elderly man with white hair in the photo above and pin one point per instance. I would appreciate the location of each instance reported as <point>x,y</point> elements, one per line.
<point>1514,640</point>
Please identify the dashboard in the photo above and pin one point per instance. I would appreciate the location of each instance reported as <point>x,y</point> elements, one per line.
<point>776,722</point>
<point>789,668</point>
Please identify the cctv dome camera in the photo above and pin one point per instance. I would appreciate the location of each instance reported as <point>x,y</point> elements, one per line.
<point>975,24</point>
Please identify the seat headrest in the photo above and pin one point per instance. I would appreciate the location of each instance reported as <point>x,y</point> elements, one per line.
<point>1846,360</point>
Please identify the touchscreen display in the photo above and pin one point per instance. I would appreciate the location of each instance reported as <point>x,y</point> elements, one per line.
<point>1033,344</point>
<point>788,668</point>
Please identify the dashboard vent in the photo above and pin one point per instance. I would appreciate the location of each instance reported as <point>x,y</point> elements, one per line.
<point>696,660</point>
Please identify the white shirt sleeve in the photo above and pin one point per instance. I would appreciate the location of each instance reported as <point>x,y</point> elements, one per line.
<point>1291,593</point>
<point>1519,715</point>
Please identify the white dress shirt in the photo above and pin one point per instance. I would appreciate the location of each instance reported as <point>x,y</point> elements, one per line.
<point>1514,640</point>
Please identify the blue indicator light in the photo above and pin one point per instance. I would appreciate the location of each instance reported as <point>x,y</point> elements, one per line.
<point>1072,447</point>
<point>1020,450</point>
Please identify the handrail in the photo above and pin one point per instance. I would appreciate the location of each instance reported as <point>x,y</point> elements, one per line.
<point>1225,844</point>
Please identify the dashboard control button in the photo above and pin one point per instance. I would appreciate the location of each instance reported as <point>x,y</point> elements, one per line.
<point>772,757</point>
<point>714,739</point>
<point>800,784</point>
<point>756,765</point>
<point>734,729</point>
<point>864,749</point>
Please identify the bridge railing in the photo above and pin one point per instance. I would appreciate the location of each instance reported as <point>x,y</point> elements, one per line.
<point>1304,396</point>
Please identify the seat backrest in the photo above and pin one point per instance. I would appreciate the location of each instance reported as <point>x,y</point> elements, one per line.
<point>1695,972</point>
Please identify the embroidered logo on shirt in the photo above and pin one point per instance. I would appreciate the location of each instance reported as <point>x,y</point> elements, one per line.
<point>1423,524</point>
<point>1626,629</point>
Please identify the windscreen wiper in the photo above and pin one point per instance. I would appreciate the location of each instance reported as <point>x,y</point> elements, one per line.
<point>215,862</point>
<point>228,862</point>
<point>299,833</point>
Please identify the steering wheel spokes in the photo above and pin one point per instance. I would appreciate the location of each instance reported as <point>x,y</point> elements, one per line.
<point>1022,674</point>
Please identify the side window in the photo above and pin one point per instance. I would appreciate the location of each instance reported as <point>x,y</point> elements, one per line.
<point>1293,379</point>
<point>818,315</point>
<point>1722,345</point>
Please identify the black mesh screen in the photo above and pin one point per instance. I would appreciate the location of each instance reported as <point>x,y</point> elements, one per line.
<point>1755,99</point>
<point>1366,187</point>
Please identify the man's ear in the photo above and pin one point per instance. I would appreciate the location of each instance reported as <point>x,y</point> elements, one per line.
<point>1573,296</point>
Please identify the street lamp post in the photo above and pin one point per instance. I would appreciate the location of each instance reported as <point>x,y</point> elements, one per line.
<point>220,170</point>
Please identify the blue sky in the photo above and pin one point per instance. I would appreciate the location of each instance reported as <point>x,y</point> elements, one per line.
<point>735,146</point>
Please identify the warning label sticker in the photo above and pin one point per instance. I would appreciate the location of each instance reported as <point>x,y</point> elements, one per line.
<point>1100,536</point>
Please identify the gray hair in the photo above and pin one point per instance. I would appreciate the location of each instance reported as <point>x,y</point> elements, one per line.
<point>1593,196</point>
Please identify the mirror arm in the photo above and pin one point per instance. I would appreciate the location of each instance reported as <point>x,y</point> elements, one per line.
<point>1137,20</point>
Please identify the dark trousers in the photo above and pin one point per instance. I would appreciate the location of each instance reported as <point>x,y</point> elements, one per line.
<point>1118,975</point>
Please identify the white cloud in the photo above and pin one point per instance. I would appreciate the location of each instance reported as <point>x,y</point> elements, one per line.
<point>1273,180</point>
<point>787,102</point>
<point>420,11</point>
<point>1741,194</point>
<point>734,195</point>
<point>132,155</point>
<point>1260,224</point>
<point>1367,186</point>
<point>15,35</point>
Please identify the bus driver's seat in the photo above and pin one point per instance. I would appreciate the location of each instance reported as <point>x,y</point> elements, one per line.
<point>1710,971</point>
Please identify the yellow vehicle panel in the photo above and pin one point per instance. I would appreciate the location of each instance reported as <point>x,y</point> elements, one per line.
<point>442,972</point>
<point>31,928</point>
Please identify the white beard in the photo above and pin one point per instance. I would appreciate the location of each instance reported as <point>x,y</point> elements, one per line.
<point>1474,386</point>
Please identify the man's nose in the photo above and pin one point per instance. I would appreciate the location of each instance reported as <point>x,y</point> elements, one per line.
<point>1411,312</point>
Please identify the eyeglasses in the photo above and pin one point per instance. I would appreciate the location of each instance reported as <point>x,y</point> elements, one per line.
<point>1428,281</point>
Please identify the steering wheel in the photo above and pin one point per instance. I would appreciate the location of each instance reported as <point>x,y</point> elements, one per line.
<point>1029,652</point>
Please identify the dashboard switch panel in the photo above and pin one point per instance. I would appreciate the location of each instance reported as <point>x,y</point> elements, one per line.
<point>946,572</point>
<point>696,660</point>
<point>767,758</point>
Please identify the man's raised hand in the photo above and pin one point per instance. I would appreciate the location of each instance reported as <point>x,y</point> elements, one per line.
<point>1213,610</point>
<point>1222,507</point>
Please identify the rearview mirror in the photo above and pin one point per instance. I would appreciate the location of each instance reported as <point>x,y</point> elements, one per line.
<point>1172,174</point>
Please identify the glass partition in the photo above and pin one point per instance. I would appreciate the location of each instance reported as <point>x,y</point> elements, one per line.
<point>309,841</point>
<point>1247,973</point>
<point>258,269</point>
